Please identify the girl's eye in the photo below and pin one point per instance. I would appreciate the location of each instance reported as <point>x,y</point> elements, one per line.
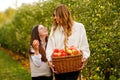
<point>43,28</point>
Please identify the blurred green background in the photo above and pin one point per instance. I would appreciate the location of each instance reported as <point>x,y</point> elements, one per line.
<point>100,17</point>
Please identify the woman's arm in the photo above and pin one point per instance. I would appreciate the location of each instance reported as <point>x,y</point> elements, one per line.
<point>50,46</point>
<point>49,50</point>
<point>83,44</point>
<point>84,47</point>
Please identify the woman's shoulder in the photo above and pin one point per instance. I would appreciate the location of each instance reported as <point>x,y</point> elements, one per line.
<point>78,25</point>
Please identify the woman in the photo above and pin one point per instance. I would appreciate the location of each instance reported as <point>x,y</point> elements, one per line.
<point>38,61</point>
<point>70,33</point>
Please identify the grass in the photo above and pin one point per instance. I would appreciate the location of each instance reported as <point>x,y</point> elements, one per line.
<point>10,69</point>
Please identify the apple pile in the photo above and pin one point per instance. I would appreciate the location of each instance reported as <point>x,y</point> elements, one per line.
<point>72,50</point>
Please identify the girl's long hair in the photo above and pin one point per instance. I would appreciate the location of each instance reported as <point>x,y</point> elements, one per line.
<point>35,36</point>
<point>65,17</point>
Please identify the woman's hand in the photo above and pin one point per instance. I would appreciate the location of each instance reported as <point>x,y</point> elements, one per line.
<point>84,61</point>
<point>52,67</point>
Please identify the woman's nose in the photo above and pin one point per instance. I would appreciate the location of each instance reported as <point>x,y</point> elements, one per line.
<point>54,17</point>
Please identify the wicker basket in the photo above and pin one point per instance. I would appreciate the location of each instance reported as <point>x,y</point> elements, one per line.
<point>67,63</point>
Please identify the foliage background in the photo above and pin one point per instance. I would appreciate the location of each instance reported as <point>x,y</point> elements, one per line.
<point>100,17</point>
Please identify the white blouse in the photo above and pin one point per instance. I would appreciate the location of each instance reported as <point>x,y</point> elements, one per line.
<point>78,39</point>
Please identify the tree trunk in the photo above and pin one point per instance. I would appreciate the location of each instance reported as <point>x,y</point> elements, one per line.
<point>107,73</point>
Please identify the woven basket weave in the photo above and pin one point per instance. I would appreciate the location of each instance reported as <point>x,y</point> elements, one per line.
<point>67,63</point>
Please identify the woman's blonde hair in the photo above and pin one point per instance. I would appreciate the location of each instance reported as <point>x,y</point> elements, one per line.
<point>64,15</point>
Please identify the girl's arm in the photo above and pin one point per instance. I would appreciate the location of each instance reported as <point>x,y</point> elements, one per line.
<point>36,58</point>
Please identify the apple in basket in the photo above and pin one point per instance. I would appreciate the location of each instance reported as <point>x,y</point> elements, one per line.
<point>69,51</point>
<point>62,51</point>
<point>58,52</point>
<point>75,50</point>
<point>72,50</point>
<point>55,54</point>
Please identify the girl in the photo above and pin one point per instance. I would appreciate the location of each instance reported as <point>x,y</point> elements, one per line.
<point>38,61</point>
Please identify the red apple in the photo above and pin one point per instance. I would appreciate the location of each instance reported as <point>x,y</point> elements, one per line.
<point>63,54</point>
<point>61,50</point>
<point>56,50</point>
<point>72,47</point>
<point>55,54</point>
<point>76,51</point>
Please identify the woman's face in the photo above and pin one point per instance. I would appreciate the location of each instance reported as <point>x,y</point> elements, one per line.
<point>42,30</point>
<point>56,18</point>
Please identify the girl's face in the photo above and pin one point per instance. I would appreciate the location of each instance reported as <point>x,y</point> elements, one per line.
<point>56,18</point>
<point>42,30</point>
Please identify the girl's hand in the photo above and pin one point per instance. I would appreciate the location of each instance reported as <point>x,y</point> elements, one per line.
<point>52,67</point>
<point>35,45</point>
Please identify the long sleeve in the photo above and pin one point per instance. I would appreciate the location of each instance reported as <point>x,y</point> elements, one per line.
<point>50,46</point>
<point>36,59</point>
<point>83,44</point>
